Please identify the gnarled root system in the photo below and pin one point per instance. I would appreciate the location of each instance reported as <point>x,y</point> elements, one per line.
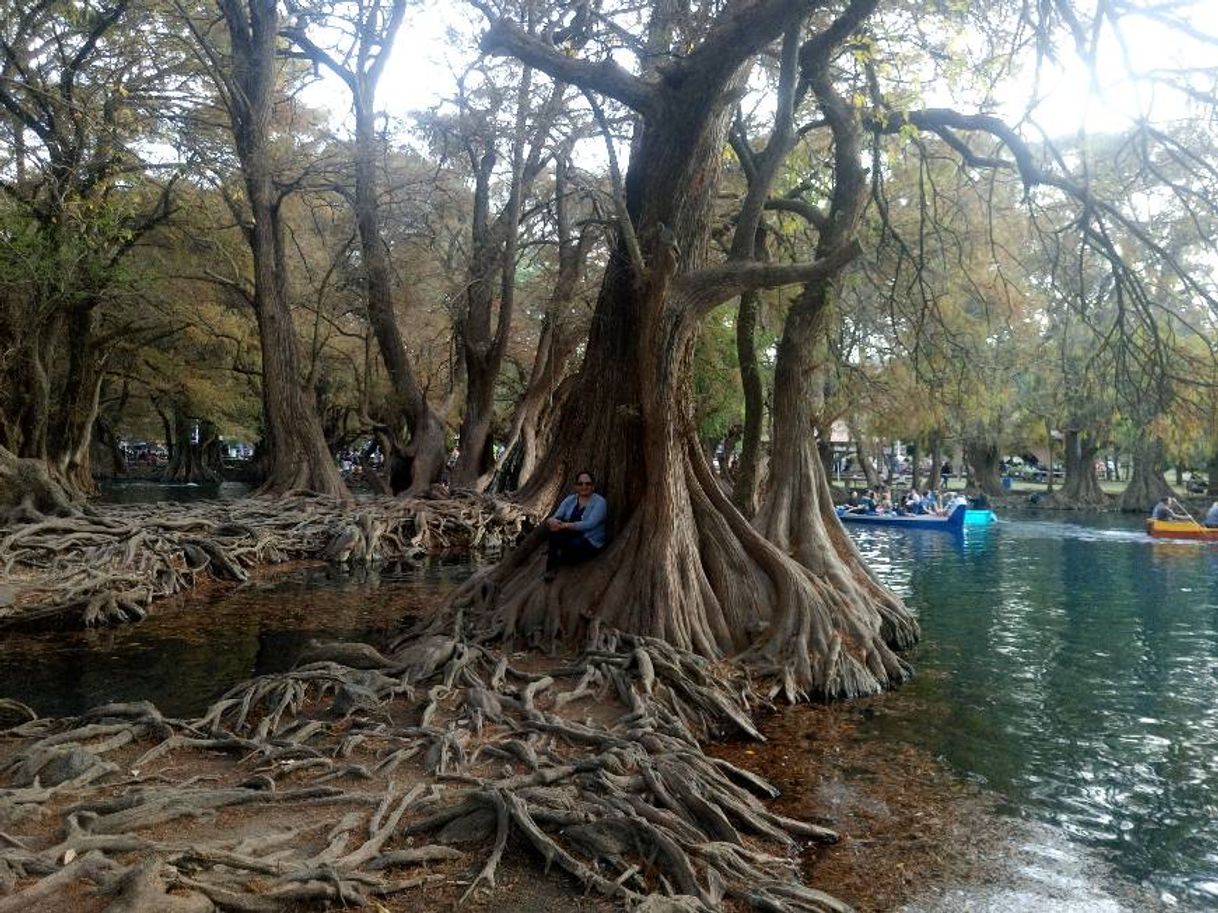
<point>108,567</point>
<point>334,784</point>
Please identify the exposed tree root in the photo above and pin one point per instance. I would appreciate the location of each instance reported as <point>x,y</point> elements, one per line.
<point>109,566</point>
<point>368,782</point>
<point>810,622</point>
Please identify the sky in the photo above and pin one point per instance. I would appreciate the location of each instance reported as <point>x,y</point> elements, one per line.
<point>425,62</point>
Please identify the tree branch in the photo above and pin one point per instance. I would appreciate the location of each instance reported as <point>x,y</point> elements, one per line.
<point>706,289</point>
<point>604,76</point>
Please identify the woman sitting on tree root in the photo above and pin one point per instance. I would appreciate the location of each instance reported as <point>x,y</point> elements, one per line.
<point>577,528</point>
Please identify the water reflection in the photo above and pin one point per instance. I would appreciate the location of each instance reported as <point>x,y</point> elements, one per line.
<point>142,491</point>
<point>191,651</point>
<point>1073,666</point>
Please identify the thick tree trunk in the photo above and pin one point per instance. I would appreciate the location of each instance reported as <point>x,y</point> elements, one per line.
<point>1146,483</point>
<point>414,444</point>
<point>298,457</point>
<point>28,489</point>
<point>191,461</point>
<point>1082,486</point>
<point>984,463</point>
<point>1211,473</point>
<point>107,454</point>
<point>419,463</point>
<point>798,514</point>
<point>683,564</point>
<point>71,436</point>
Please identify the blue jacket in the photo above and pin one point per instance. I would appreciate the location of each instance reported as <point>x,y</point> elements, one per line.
<point>592,525</point>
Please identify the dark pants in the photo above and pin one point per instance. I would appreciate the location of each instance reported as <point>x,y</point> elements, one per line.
<point>566,547</point>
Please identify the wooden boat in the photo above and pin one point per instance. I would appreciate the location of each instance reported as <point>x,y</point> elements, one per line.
<point>1181,529</point>
<point>953,522</point>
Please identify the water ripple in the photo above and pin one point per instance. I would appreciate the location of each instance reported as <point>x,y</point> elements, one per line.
<point>1074,667</point>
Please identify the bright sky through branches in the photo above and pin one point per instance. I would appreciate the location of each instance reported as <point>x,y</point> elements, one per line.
<point>437,41</point>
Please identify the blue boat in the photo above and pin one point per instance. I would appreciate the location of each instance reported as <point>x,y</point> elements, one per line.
<point>980,517</point>
<point>953,522</point>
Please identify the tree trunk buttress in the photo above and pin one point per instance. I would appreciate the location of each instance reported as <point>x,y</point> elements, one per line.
<point>1146,482</point>
<point>1082,486</point>
<point>985,466</point>
<point>682,564</point>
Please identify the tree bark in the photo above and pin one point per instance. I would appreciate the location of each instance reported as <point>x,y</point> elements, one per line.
<point>744,486</point>
<point>684,564</point>
<point>191,461</point>
<point>984,463</point>
<point>27,489</point>
<point>415,444</point>
<point>864,461</point>
<point>72,437</point>
<point>529,432</point>
<point>1081,488</point>
<point>298,457</point>
<point>493,261</point>
<point>935,480</point>
<point>1146,482</point>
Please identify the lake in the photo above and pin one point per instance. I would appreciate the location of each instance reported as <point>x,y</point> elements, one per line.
<point>1069,663</point>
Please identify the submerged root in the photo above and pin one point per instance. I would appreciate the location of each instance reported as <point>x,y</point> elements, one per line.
<point>372,781</point>
<point>109,566</point>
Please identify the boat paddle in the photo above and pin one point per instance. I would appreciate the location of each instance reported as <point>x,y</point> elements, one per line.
<point>1191,518</point>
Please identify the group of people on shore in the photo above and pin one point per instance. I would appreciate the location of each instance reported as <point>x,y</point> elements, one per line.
<point>930,502</point>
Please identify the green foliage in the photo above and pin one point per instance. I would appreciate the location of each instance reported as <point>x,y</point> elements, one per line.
<point>718,397</point>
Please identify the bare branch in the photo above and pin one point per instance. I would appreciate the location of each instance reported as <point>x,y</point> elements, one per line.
<point>706,289</point>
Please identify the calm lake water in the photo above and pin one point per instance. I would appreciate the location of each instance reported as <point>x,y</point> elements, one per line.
<point>193,649</point>
<point>142,491</point>
<point>1071,664</point>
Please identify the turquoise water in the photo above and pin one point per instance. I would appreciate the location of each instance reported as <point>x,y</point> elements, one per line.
<point>1073,667</point>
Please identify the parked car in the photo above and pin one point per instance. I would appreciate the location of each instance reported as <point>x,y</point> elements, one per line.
<point>1196,484</point>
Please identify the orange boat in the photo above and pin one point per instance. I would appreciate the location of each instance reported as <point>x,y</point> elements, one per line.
<point>1181,529</point>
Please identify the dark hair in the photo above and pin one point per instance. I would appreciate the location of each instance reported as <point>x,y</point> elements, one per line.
<point>584,472</point>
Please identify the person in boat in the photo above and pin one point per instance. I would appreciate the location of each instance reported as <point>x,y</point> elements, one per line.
<point>1164,511</point>
<point>577,528</point>
<point>1211,516</point>
<point>978,499</point>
